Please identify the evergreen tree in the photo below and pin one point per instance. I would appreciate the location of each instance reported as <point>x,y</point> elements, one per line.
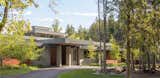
<point>56,27</point>
<point>70,30</point>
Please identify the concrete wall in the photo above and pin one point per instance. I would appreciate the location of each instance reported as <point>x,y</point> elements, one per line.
<point>44,59</point>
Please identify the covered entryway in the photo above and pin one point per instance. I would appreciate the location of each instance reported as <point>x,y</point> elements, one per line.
<point>72,55</point>
<point>63,55</point>
<point>53,57</point>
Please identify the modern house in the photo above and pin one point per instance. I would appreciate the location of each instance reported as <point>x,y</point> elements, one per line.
<point>60,50</point>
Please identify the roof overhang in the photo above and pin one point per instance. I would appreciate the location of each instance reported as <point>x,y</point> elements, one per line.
<point>72,42</point>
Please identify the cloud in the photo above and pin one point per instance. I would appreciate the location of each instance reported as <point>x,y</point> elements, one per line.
<point>90,14</point>
<point>28,13</point>
<point>19,13</point>
<point>59,19</point>
<point>47,19</point>
<point>13,12</point>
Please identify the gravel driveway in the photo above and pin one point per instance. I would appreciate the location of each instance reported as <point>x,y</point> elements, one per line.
<point>49,72</point>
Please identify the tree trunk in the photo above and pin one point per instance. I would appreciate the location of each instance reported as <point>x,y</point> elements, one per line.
<point>100,39</point>
<point>144,55</point>
<point>5,15</point>
<point>144,65</point>
<point>1,61</point>
<point>128,46</point>
<point>148,60</point>
<point>141,59</point>
<point>104,35</point>
<point>97,57</point>
<point>132,62</point>
<point>128,59</point>
<point>143,62</point>
<point>140,62</point>
<point>154,62</point>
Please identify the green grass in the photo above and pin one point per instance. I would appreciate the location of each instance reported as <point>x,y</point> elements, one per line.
<point>8,71</point>
<point>86,74</point>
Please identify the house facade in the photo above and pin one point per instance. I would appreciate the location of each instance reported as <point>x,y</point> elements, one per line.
<point>59,50</point>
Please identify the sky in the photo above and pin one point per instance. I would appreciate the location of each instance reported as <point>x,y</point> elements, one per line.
<point>75,12</point>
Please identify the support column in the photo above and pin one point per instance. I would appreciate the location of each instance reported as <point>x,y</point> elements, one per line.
<point>70,56</point>
<point>78,54</point>
<point>59,56</point>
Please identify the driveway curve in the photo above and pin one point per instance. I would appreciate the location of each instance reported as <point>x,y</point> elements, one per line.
<point>50,72</point>
<point>42,73</point>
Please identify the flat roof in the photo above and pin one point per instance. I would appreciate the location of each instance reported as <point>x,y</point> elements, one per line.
<point>65,41</point>
<point>49,33</point>
<point>46,31</point>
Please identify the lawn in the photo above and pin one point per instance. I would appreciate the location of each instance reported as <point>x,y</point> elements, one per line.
<point>16,71</point>
<point>86,74</point>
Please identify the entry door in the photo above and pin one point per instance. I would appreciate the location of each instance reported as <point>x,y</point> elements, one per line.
<point>63,55</point>
<point>53,54</point>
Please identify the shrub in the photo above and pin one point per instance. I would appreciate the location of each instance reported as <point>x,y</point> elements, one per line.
<point>24,66</point>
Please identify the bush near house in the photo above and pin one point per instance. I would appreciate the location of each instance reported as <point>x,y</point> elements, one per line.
<point>15,45</point>
<point>16,49</point>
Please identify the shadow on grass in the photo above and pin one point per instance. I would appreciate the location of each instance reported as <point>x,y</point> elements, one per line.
<point>86,73</point>
<point>13,71</point>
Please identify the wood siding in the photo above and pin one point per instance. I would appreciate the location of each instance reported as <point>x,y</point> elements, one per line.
<point>53,55</point>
